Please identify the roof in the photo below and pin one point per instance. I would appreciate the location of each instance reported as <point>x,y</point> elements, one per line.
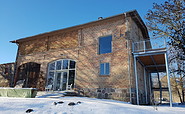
<point>133,14</point>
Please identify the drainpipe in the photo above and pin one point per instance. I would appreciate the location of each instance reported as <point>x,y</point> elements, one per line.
<point>136,78</point>
<point>129,52</point>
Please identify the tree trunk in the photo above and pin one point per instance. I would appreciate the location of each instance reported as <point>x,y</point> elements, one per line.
<point>183,95</point>
<point>179,94</point>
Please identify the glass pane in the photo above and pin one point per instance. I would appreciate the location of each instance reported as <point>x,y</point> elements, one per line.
<point>71,77</point>
<point>102,69</point>
<point>105,44</point>
<point>52,66</point>
<point>50,78</point>
<point>64,81</point>
<point>107,69</point>
<point>72,64</point>
<point>58,81</point>
<point>65,64</point>
<point>59,63</point>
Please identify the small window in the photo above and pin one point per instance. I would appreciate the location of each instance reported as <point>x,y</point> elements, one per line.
<point>105,44</point>
<point>104,69</point>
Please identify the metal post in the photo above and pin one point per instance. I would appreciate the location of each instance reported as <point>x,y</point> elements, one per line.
<point>159,87</point>
<point>144,47</point>
<point>133,48</point>
<point>135,71</point>
<point>168,77</point>
<point>146,92</point>
<point>150,86</point>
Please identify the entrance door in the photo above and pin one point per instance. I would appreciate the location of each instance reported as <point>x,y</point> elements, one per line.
<point>60,81</point>
<point>29,72</point>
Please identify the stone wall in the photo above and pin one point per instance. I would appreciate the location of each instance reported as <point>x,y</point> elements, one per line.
<point>6,74</point>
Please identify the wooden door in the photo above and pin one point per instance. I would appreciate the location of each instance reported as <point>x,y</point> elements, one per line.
<point>29,72</point>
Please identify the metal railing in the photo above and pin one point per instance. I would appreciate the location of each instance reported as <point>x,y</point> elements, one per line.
<point>149,45</point>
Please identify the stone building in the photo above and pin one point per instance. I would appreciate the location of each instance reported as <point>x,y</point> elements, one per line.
<point>94,58</point>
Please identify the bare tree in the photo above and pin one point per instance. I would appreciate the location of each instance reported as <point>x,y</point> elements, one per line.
<point>167,20</point>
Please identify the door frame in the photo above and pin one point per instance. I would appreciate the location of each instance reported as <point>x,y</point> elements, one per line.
<point>61,70</point>
<point>61,80</point>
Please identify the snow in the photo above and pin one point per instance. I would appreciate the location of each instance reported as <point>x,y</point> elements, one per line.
<point>87,106</point>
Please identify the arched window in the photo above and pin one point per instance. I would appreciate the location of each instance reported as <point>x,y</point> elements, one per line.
<point>61,74</point>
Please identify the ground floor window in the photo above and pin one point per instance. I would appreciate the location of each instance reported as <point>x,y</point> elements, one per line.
<point>104,69</point>
<point>61,74</point>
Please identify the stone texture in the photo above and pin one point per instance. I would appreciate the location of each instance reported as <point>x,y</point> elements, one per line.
<point>6,74</point>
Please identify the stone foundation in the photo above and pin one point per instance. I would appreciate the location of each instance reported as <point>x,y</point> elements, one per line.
<point>106,93</point>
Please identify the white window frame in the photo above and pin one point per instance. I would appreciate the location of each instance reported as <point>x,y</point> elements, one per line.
<point>61,70</point>
<point>104,72</point>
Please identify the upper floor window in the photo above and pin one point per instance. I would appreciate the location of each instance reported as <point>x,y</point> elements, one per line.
<point>105,44</point>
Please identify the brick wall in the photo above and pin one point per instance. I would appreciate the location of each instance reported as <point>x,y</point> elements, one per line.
<point>82,45</point>
<point>6,74</point>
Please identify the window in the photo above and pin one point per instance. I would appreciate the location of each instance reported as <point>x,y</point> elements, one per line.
<point>61,73</point>
<point>104,68</point>
<point>105,44</point>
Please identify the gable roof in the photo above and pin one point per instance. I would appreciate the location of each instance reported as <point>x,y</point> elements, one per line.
<point>133,14</point>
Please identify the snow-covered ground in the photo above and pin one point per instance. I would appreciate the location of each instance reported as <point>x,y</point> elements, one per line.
<point>87,106</point>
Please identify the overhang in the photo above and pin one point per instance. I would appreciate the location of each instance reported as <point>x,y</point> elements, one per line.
<point>153,63</point>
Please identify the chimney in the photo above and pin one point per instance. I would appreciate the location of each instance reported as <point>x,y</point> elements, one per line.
<point>100,18</point>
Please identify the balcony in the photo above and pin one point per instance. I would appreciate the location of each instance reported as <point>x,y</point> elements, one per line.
<point>152,45</point>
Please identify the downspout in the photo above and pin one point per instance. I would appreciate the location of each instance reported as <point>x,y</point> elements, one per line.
<point>129,52</point>
<point>136,79</point>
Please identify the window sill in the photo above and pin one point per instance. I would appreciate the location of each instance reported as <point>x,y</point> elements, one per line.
<point>104,53</point>
<point>104,75</point>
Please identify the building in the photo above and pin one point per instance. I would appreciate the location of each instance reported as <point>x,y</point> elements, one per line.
<point>97,59</point>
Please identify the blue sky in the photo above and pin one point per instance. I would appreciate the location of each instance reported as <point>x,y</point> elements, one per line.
<point>23,18</point>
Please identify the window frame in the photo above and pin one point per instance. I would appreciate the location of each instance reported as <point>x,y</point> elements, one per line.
<point>55,71</point>
<point>99,44</point>
<point>104,68</point>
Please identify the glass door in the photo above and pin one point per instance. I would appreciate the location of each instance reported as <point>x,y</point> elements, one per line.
<point>64,81</point>
<point>60,81</point>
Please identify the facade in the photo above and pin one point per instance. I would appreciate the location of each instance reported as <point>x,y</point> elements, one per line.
<point>95,59</point>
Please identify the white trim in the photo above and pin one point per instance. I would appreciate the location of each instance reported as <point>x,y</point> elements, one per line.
<point>104,66</point>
